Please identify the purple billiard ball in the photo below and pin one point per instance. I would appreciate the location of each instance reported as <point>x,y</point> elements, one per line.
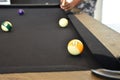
<point>20,11</point>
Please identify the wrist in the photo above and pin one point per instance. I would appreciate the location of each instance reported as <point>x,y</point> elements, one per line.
<point>76,2</point>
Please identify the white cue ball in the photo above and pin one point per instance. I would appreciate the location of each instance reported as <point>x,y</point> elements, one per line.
<point>75,47</point>
<point>63,22</point>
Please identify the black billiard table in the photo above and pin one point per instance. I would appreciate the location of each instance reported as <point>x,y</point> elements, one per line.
<point>37,43</point>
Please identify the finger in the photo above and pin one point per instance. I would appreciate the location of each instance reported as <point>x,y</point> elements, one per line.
<point>63,2</point>
<point>66,6</point>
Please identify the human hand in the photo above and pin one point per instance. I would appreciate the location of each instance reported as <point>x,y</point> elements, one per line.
<point>65,5</point>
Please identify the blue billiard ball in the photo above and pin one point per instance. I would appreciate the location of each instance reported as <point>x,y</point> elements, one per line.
<point>20,11</point>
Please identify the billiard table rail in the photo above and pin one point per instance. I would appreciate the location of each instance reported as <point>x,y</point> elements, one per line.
<point>46,5</point>
<point>99,51</point>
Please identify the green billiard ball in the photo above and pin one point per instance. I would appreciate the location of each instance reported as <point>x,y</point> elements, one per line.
<point>6,26</point>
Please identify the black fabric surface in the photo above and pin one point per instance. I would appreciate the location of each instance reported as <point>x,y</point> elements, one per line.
<point>37,43</point>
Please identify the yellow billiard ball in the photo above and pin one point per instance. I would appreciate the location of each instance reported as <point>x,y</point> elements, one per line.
<point>63,22</point>
<point>75,47</point>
